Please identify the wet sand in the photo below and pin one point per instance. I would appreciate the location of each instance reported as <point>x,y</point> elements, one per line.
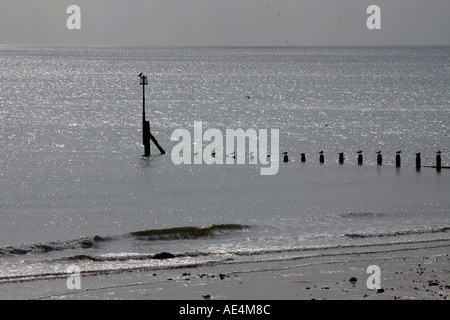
<point>405,275</point>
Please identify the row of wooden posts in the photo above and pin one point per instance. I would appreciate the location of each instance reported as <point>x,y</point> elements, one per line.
<point>147,137</point>
<point>398,160</point>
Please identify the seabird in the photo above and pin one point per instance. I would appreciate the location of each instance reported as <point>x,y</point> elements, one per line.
<point>398,152</point>
<point>439,152</point>
<point>140,74</point>
<point>359,151</point>
<point>303,157</point>
<point>378,152</point>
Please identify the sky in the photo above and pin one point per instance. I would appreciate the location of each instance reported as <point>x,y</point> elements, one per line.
<point>225,22</point>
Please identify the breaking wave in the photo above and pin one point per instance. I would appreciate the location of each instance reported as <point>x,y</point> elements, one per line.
<point>85,242</point>
<point>151,235</point>
<point>396,233</point>
<point>187,232</point>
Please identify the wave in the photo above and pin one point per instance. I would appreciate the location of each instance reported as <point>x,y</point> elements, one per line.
<point>361,214</point>
<point>396,233</point>
<point>152,234</point>
<point>257,256</point>
<point>84,242</point>
<point>187,232</point>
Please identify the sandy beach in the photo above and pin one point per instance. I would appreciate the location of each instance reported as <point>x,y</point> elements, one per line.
<point>415,273</point>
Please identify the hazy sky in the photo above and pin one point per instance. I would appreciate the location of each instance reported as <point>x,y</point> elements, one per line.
<point>225,22</point>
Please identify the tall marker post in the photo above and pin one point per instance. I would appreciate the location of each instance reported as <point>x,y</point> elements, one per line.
<point>145,124</point>
<point>146,134</point>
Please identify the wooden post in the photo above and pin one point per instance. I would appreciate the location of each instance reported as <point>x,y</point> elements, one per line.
<point>152,138</point>
<point>398,160</point>
<point>145,124</point>
<point>418,161</point>
<point>341,158</point>
<point>321,157</point>
<point>438,161</point>
<point>146,138</point>
<point>285,157</point>
<point>360,158</point>
<point>379,158</point>
<point>303,157</point>
<point>146,134</point>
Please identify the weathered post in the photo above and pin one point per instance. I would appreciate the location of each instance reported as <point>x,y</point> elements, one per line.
<point>341,158</point>
<point>379,158</point>
<point>398,160</point>
<point>438,161</point>
<point>285,157</point>
<point>146,134</point>
<point>418,161</point>
<point>360,158</point>
<point>145,124</point>
<point>321,157</point>
<point>302,157</point>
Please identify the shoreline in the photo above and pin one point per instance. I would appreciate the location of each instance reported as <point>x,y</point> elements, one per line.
<point>421,274</point>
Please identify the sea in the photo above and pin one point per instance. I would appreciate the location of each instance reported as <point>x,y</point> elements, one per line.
<point>75,189</point>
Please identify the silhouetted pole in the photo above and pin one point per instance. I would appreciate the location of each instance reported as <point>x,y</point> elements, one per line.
<point>418,161</point>
<point>379,158</point>
<point>285,157</point>
<point>145,124</point>
<point>438,161</point>
<point>146,135</point>
<point>341,158</point>
<point>398,160</point>
<point>321,157</point>
<point>360,158</point>
<point>303,157</point>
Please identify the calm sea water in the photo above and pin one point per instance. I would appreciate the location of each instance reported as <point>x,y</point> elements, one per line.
<point>74,188</point>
